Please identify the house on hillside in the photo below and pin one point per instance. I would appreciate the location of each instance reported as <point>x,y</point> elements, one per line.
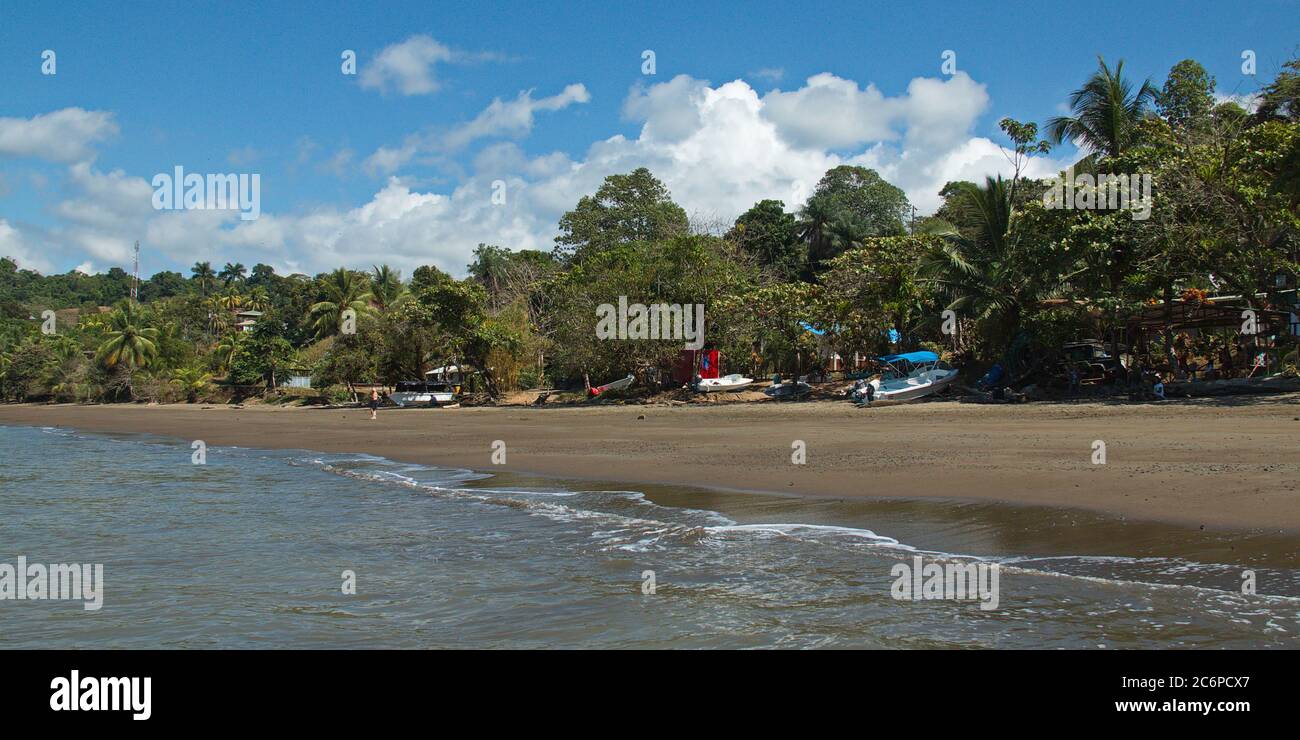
<point>245,320</point>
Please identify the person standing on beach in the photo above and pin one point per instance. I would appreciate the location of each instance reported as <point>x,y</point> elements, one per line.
<point>374,404</point>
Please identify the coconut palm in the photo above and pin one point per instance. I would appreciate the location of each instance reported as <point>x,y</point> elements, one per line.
<point>984,274</point>
<point>814,228</point>
<point>1106,112</point>
<point>224,350</point>
<point>230,299</point>
<point>203,275</point>
<point>233,272</point>
<point>218,315</point>
<point>386,287</point>
<point>129,344</point>
<point>847,233</point>
<point>344,290</point>
<point>257,299</point>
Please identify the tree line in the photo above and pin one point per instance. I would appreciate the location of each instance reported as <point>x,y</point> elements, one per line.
<point>848,271</point>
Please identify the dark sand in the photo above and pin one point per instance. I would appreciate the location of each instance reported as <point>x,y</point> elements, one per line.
<point>1222,464</point>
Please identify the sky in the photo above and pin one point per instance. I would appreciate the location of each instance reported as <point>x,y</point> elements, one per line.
<point>468,123</point>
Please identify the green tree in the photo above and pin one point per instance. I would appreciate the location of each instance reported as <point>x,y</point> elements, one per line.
<point>625,208</point>
<point>262,356</point>
<point>881,207</point>
<point>458,310</point>
<point>1187,97</point>
<point>771,236</point>
<point>1280,99</point>
<point>349,361</point>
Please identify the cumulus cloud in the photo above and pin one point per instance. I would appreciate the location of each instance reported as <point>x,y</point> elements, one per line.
<point>66,135</point>
<point>718,148</point>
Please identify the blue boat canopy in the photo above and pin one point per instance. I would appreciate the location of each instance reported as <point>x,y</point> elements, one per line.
<point>916,358</point>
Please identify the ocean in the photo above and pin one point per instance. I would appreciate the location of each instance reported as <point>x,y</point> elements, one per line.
<point>260,548</point>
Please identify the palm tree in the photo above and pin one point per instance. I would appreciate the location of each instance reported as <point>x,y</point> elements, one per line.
<point>344,290</point>
<point>233,272</point>
<point>813,227</point>
<point>1106,112</point>
<point>218,314</point>
<point>846,233</point>
<point>386,286</point>
<point>128,345</point>
<point>257,299</point>
<point>230,299</point>
<point>191,381</point>
<point>204,276</point>
<point>984,274</point>
<point>224,351</point>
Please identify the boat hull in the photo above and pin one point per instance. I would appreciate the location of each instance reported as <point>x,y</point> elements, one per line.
<point>405,399</point>
<point>724,385</point>
<point>788,390</point>
<point>914,390</point>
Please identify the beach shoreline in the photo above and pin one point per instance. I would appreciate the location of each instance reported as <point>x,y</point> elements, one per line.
<point>1227,464</point>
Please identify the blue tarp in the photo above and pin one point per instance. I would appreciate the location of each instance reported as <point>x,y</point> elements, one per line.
<point>916,358</point>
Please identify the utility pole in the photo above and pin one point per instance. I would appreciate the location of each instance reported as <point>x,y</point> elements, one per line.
<point>135,277</point>
<point>913,226</point>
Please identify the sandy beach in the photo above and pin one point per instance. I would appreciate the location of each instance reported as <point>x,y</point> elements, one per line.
<point>1219,464</point>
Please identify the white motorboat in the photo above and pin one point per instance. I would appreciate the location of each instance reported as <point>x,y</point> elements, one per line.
<point>415,393</point>
<point>727,383</point>
<point>908,376</point>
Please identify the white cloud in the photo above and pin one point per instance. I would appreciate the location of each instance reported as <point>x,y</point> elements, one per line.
<point>718,149</point>
<point>406,66</point>
<point>14,246</point>
<point>829,112</point>
<point>512,118</point>
<point>65,135</point>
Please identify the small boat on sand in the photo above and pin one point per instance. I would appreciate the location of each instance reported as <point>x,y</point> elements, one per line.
<point>615,386</point>
<point>733,382</point>
<point>788,390</point>
<point>415,393</point>
<point>907,376</point>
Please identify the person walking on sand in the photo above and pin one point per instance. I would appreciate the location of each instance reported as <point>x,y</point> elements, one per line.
<point>374,404</point>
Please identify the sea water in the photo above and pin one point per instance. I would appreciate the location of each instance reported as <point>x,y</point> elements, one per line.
<point>299,549</point>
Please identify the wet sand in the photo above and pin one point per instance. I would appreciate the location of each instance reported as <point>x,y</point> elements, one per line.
<point>1213,463</point>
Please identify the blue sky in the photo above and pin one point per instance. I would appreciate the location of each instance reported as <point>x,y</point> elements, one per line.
<point>398,163</point>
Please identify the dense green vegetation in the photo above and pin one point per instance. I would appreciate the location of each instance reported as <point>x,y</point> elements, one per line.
<point>1021,277</point>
